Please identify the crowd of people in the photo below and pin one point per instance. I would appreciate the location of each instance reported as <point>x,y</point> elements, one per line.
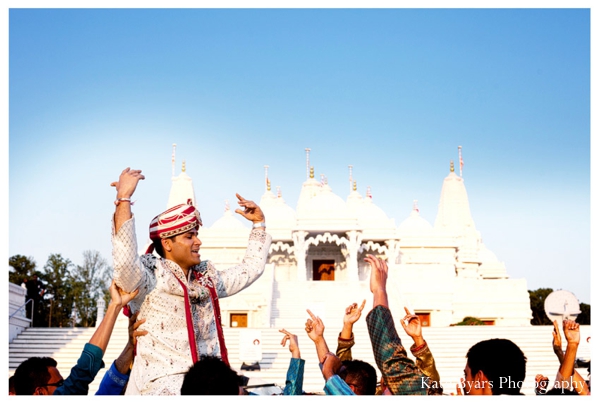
<point>176,344</point>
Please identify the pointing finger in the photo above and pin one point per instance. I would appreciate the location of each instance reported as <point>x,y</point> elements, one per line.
<point>314,317</point>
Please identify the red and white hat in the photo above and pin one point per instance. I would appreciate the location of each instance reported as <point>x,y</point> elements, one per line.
<point>176,220</point>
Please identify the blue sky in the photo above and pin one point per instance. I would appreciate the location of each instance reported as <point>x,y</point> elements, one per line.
<point>392,92</point>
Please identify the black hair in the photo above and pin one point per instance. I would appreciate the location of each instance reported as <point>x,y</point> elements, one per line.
<point>210,376</point>
<point>502,362</point>
<point>159,248</point>
<point>32,373</point>
<point>11,385</point>
<point>361,375</point>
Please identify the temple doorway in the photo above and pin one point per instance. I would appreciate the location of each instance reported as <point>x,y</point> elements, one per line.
<point>238,320</point>
<point>323,270</point>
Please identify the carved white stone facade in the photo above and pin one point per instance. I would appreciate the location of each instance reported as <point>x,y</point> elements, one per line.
<point>443,270</point>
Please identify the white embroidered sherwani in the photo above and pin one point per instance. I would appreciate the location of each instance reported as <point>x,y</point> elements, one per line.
<point>163,356</point>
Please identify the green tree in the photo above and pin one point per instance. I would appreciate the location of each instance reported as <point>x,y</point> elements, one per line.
<point>584,318</point>
<point>89,282</point>
<point>470,321</point>
<point>22,268</point>
<point>536,300</point>
<point>59,291</point>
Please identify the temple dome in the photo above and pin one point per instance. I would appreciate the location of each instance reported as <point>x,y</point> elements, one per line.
<point>326,200</point>
<point>277,213</point>
<point>354,201</point>
<point>415,223</point>
<point>371,212</point>
<point>310,189</point>
<point>267,200</point>
<point>228,222</point>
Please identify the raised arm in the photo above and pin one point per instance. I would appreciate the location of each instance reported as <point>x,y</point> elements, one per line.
<point>411,323</point>
<point>557,343</point>
<point>128,271</point>
<point>119,298</point>
<point>334,385</point>
<point>346,338</point>
<point>352,314</point>
<point>315,329</point>
<point>116,377</point>
<point>567,367</point>
<point>379,270</point>
<point>90,361</point>
<point>125,187</point>
<point>251,211</point>
<point>235,279</point>
<point>295,375</point>
<point>400,374</point>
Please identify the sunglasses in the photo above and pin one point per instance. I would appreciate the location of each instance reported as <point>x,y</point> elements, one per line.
<point>56,384</point>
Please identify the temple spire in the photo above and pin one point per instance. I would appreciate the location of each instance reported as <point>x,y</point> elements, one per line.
<point>452,166</point>
<point>183,166</point>
<point>416,205</point>
<point>350,176</point>
<point>173,160</point>
<point>312,172</point>
<point>267,182</point>
<point>307,162</point>
<point>460,159</point>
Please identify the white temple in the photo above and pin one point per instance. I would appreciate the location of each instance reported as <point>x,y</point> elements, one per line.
<point>443,272</point>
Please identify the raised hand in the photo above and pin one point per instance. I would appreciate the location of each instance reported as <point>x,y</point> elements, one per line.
<point>557,343</point>
<point>353,313</point>
<point>314,327</point>
<point>293,339</point>
<point>119,296</point>
<point>379,271</point>
<point>127,183</point>
<point>571,330</point>
<point>412,326</point>
<point>134,324</point>
<point>541,384</point>
<point>251,211</point>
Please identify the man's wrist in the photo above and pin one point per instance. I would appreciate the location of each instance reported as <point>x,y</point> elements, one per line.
<point>418,340</point>
<point>114,306</point>
<point>380,292</point>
